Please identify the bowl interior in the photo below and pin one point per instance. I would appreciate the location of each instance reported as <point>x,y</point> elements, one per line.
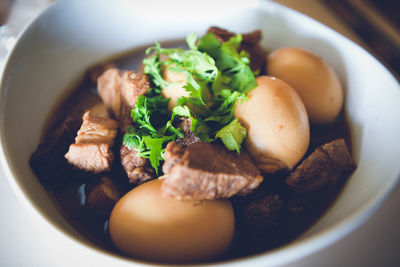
<point>62,43</point>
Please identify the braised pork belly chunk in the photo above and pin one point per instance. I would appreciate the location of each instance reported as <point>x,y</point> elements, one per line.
<point>262,213</point>
<point>322,167</point>
<point>120,90</point>
<point>208,171</point>
<point>103,196</point>
<point>97,70</point>
<point>189,136</point>
<point>173,153</point>
<point>138,169</point>
<point>92,150</point>
<point>108,86</point>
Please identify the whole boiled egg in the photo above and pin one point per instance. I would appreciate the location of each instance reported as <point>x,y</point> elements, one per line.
<point>314,80</point>
<point>146,225</point>
<point>278,132</point>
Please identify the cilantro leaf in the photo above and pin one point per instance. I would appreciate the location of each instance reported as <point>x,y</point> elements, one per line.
<point>232,64</point>
<point>156,149</point>
<point>191,41</point>
<point>182,111</point>
<point>152,129</point>
<point>217,76</point>
<point>197,125</point>
<point>232,135</point>
<point>153,66</point>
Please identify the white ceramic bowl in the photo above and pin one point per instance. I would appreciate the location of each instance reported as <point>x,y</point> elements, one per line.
<point>55,50</point>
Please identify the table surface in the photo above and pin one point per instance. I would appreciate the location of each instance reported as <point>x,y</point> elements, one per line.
<point>25,242</point>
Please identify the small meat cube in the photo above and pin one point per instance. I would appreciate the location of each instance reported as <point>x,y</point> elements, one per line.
<point>138,169</point>
<point>262,213</point>
<point>108,86</point>
<point>207,171</point>
<point>92,149</point>
<point>97,70</point>
<point>189,136</point>
<point>120,91</point>
<point>250,44</point>
<point>90,157</point>
<point>96,130</point>
<point>103,196</point>
<point>322,167</point>
<point>47,161</point>
<point>173,153</point>
<point>99,110</point>
<point>133,85</point>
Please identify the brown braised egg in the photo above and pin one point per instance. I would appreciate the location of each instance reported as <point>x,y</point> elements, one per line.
<point>278,132</point>
<point>314,80</point>
<point>146,225</point>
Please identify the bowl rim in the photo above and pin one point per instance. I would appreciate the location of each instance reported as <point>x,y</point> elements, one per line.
<point>297,248</point>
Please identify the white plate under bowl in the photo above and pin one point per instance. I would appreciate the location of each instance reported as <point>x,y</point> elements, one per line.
<point>54,51</point>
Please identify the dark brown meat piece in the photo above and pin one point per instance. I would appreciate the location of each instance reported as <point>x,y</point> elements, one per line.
<point>48,160</point>
<point>138,169</point>
<point>189,136</point>
<point>103,196</point>
<point>173,153</point>
<point>92,149</point>
<point>322,167</point>
<point>207,171</point>
<point>133,85</point>
<point>250,44</point>
<point>262,213</point>
<point>120,91</point>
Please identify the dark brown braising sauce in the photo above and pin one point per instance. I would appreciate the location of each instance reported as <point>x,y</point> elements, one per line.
<point>71,194</point>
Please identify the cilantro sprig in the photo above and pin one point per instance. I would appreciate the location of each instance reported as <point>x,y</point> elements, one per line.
<point>152,129</point>
<point>218,76</point>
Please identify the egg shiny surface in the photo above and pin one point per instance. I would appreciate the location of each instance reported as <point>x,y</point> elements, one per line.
<point>146,225</point>
<point>314,80</point>
<point>278,132</point>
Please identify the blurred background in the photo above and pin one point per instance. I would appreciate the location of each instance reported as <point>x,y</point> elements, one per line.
<point>373,24</point>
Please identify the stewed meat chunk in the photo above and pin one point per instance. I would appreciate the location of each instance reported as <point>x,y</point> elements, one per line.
<point>96,130</point>
<point>138,169</point>
<point>97,70</point>
<point>132,86</point>
<point>173,153</point>
<point>92,149</point>
<point>322,167</point>
<point>108,86</point>
<point>120,90</point>
<point>261,213</point>
<point>208,171</point>
<point>189,136</point>
<point>103,196</point>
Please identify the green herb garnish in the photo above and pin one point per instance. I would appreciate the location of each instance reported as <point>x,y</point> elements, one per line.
<point>217,77</point>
